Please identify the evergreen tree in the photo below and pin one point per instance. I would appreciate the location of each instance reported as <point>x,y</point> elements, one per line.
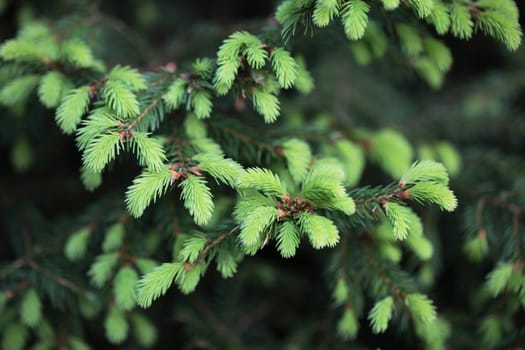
<point>301,174</point>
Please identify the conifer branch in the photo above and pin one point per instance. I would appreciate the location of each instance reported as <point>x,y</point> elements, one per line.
<point>395,290</point>
<point>144,113</point>
<point>249,140</point>
<point>13,266</point>
<point>39,268</point>
<point>209,245</point>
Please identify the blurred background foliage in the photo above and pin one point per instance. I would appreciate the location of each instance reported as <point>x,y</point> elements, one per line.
<point>271,302</point>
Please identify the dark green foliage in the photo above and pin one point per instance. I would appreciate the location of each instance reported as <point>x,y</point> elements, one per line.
<point>291,180</point>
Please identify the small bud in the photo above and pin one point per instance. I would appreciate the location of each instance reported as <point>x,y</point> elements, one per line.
<point>195,170</point>
<point>175,175</point>
<point>482,233</point>
<point>171,67</point>
<point>240,104</point>
<point>402,183</point>
<point>122,135</point>
<point>92,90</point>
<point>405,194</point>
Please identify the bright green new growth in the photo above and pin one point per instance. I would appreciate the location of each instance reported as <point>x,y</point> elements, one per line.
<point>221,169</point>
<point>90,179</point>
<point>255,225</point>
<point>114,237</point>
<point>284,66</point>
<point>348,325</point>
<point>390,4</point>
<point>18,90</point>
<point>249,202</point>
<point>381,314</point>
<point>228,59</point>
<point>52,88</point>
<point>99,121</point>
<point>438,53</point>
<point>31,308</point>
<point>15,336</point>
<point>156,283</point>
<point>149,151</point>
<point>432,192</point>
<point>22,155</point>
<point>197,199</point>
<point>100,271</point>
<point>498,279</point>
<point>192,248</point>
<point>145,265</point>
<point>143,330</point>
<point>321,231</point>
<point>73,106</point>
<point>323,187</point>
<point>288,239</point>
<point>399,215</point>
<point>449,156</point>
<point>476,248</point>
<point>76,245</point>
<point>423,7</point>
<point>353,160</point>
<point>147,188</point>
<point>325,11</point>
<point>246,50</point>
<point>462,25</point>
<point>266,104</point>
<point>354,15</point>
<point>201,103</point>
<point>120,99</point>
<point>25,50</point>
<point>78,53</point>
<point>391,151</point>
<point>77,344</point>
<point>203,67</point>
<point>421,307</point>
<point>491,329</point>
<point>424,171</point>
<point>176,93</point>
<point>262,180</point>
<point>127,76</point>
<point>116,326</point>
<point>298,157</point>
<point>427,181</point>
<point>421,246</point>
<point>410,40</point>
<point>304,82</point>
<point>440,17</point>
<point>124,288</point>
<point>497,25</point>
<point>102,150</point>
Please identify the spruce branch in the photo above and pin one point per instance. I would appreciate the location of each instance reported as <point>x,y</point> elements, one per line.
<point>29,260</point>
<point>211,243</point>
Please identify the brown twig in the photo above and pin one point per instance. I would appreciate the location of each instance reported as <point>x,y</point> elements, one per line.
<point>144,112</point>
<point>28,253</point>
<point>247,139</point>
<point>210,245</point>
